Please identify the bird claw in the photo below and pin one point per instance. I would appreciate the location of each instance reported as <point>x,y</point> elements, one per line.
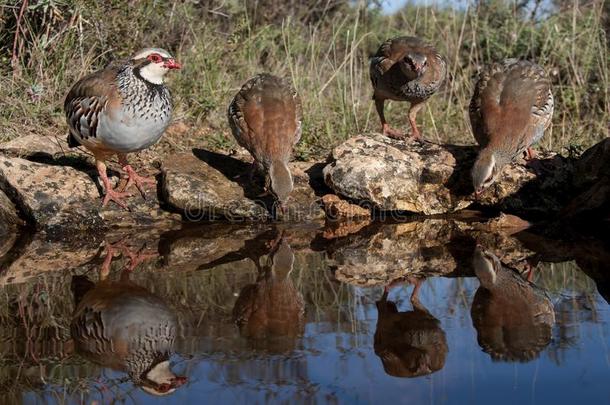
<point>116,196</point>
<point>393,133</point>
<point>138,181</point>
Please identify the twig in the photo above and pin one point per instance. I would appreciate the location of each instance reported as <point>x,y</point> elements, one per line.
<point>14,59</point>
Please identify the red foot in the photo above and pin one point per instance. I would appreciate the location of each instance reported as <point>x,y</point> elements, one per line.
<point>416,135</point>
<point>529,154</point>
<point>391,132</point>
<point>136,258</point>
<point>113,195</point>
<point>139,181</point>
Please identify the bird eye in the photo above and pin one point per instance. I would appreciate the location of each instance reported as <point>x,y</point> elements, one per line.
<point>156,58</point>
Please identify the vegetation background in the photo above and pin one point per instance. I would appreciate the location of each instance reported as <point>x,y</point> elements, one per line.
<point>322,45</point>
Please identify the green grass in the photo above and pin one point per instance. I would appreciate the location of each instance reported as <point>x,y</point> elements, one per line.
<point>324,51</point>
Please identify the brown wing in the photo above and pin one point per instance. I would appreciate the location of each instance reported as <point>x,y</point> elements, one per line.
<point>87,99</point>
<point>485,85</point>
<point>511,105</point>
<point>265,117</point>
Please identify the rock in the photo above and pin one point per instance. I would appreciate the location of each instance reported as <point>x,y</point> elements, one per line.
<point>591,183</point>
<point>592,165</point>
<point>304,204</point>
<point>49,195</point>
<point>193,249</point>
<point>9,222</point>
<point>338,209</point>
<point>207,185</point>
<point>41,256</point>
<point>504,223</point>
<point>34,146</point>
<point>8,214</point>
<point>427,178</point>
<point>199,191</point>
<point>56,198</point>
<point>391,252</point>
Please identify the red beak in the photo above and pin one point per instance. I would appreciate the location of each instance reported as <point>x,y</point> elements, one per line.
<point>172,64</point>
<point>178,381</point>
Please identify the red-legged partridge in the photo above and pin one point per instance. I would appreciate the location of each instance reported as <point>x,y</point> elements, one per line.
<point>410,343</point>
<point>265,118</point>
<point>511,107</point>
<point>121,109</point>
<point>271,311</point>
<point>123,326</point>
<point>405,69</point>
<point>512,316</point>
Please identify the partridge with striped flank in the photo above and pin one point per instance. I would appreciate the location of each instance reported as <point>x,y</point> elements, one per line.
<point>121,109</point>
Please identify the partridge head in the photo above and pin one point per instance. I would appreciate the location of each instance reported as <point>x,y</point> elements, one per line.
<point>414,65</point>
<point>151,64</point>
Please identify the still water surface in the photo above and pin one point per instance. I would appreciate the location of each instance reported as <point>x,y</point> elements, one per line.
<point>425,313</point>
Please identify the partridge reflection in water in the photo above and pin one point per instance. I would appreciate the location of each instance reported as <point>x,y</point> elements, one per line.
<point>271,311</point>
<point>123,326</point>
<point>411,343</point>
<point>512,316</point>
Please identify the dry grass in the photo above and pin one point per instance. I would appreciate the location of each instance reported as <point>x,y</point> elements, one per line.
<point>324,51</point>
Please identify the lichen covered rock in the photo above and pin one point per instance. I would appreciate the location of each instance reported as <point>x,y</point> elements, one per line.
<point>427,178</point>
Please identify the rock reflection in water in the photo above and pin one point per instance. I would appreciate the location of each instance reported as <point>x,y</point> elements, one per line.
<point>513,317</point>
<point>270,312</point>
<point>411,343</point>
<point>123,326</point>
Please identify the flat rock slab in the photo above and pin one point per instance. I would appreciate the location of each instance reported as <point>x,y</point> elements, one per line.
<point>206,185</point>
<point>41,255</point>
<point>57,198</point>
<point>419,177</point>
<point>34,146</point>
<point>199,191</point>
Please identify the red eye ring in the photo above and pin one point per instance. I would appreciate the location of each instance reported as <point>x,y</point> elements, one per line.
<point>155,58</point>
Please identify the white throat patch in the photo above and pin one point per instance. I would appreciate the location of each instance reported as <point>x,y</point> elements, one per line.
<point>153,73</point>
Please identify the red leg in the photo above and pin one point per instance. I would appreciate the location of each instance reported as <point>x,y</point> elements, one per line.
<point>415,293</point>
<point>529,269</point>
<point>105,270</point>
<point>385,127</point>
<point>111,194</point>
<point>415,107</point>
<point>529,154</point>
<point>135,178</point>
<point>136,258</point>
